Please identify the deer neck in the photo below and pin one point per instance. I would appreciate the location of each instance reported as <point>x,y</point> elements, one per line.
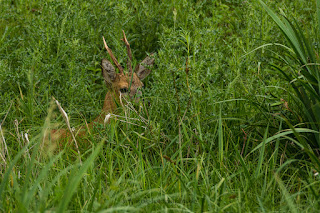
<point>109,106</point>
<point>110,102</point>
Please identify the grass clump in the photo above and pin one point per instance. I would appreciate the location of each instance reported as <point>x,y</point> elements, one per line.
<point>219,130</point>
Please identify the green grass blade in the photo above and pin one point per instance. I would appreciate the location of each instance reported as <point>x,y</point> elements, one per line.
<point>242,162</point>
<point>120,209</point>
<point>220,134</point>
<point>318,16</point>
<point>49,188</point>
<point>286,194</point>
<point>5,178</point>
<point>75,179</point>
<point>30,168</point>
<point>287,31</point>
<point>262,150</point>
<point>306,146</point>
<point>284,165</point>
<point>43,174</point>
<point>286,132</point>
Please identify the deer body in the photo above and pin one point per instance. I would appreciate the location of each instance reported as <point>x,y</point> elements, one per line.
<point>119,85</point>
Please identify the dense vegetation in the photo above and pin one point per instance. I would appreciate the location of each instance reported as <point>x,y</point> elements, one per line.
<point>229,122</point>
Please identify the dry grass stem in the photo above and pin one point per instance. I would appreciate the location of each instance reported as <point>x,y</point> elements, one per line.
<point>106,119</point>
<point>132,108</point>
<point>3,144</point>
<point>66,119</point>
<point>16,124</point>
<point>26,138</point>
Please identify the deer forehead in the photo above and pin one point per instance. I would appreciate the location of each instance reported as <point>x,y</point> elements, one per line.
<point>124,80</point>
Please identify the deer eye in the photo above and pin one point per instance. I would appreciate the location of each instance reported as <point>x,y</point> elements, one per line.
<point>123,90</point>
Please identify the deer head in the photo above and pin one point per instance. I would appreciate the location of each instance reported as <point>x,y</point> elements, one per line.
<point>128,83</point>
<point>119,84</point>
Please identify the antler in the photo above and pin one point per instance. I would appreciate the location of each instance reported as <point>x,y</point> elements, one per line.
<point>128,50</point>
<point>112,56</point>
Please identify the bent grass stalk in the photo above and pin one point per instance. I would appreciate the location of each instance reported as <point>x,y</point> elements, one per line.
<point>66,119</point>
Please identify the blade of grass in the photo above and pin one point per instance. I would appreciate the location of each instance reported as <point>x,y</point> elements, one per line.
<point>261,156</point>
<point>75,179</point>
<point>318,15</point>
<point>286,132</point>
<point>29,174</point>
<point>286,194</point>
<point>8,172</point>
<point>43,174</point>
<point>220,138</point>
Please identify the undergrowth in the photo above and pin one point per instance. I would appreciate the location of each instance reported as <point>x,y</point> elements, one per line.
<point>221,130</point>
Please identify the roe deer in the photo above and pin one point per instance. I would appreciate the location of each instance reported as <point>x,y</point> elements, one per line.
<point>119,84</point>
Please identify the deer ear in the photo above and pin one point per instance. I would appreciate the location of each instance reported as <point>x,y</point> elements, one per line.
<point>143,69</point>
<point>108,71</point>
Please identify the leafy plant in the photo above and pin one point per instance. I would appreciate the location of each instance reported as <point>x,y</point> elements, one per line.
<point>304,78</point>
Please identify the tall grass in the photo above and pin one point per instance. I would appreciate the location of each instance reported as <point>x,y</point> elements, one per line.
<point>212,132</point>
<point>304,78</point>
